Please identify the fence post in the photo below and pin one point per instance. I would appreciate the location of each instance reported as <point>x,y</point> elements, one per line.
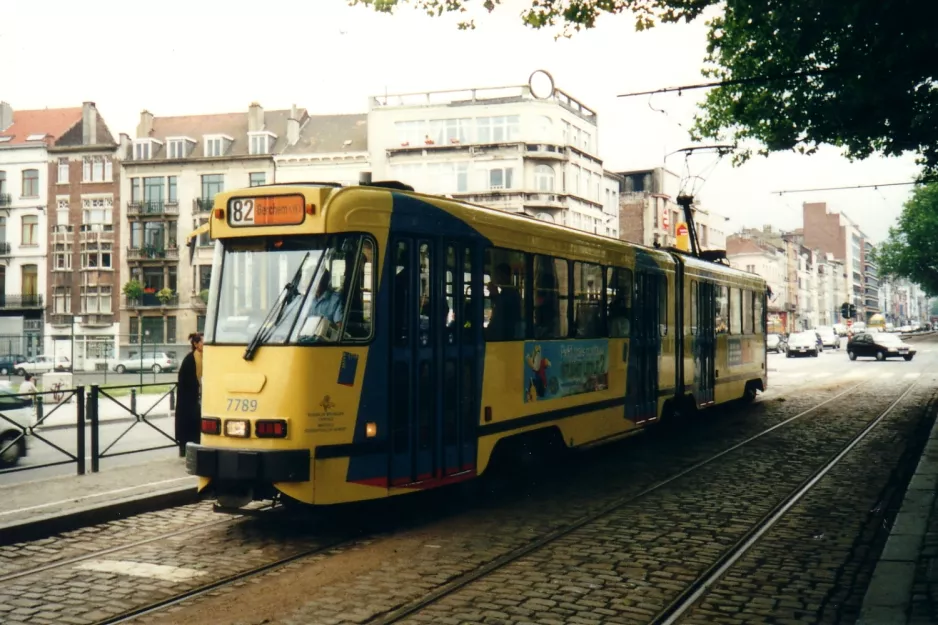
<point>133,401</point>
<point>39,409</point>
<point>80,391</point>
<point>172,399</point>
<point>94,428</point>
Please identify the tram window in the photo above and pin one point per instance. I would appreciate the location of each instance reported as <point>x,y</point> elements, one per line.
<point>504,315</point>
<point>619,298</point>
<point>360,318</point>
<point>757,312</point>
<point>588,301</point>
<point>450,317</point>
<point>747,312</point>
<point>400,288</point>
<point>424,303</point>
<point>663,306</point>
<point>694,294</point>
<point>551,297</point>
<point>735,312</point>
<point>722,317</point>
<point>468,313</point>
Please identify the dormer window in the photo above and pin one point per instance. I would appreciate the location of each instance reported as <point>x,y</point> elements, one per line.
<point>145,149</point>
<point>217,145</point>
<point>262,142</point>
<point>179,147</point>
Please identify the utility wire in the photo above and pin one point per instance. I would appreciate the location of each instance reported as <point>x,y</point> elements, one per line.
<point>754,80</point>
<point>859,186</point>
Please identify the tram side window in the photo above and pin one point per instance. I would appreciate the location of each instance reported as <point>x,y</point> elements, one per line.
<point>619,298</point>
<point>663,305</point>
<point>504,274</point>
<point>722,317</point>
<point>693,306</point>
<point>551,297</point>
<point>747,312</point>
<point>468,315</point>
<point>757,312</point>
<point>736,316</point>
<point>588,319</point>
<point>360,291</point>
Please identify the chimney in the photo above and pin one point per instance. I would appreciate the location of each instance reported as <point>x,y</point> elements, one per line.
<point>364,178</point>
<point>6,116</point>
<point>145,127</point>
<point>293,126</point>
<point>89,124</point>
<point>255,117</point>
<point>123,150</point>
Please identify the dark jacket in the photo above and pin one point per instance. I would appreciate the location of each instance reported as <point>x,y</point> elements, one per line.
<point>188,402</point>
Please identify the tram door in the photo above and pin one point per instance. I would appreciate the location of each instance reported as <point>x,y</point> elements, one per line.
<point>432,360</point>
<point>705,344</point>
<point>642,404</point>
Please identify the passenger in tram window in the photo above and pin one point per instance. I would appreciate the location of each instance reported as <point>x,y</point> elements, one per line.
<point>326,302</point>
<point>506,305</point>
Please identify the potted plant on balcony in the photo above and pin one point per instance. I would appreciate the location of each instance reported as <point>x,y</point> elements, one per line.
<point>165,295</point>
<point>133,290</point>
<point>203,295</point>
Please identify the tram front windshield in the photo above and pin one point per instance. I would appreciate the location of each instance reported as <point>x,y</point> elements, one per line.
<point>285,290</point>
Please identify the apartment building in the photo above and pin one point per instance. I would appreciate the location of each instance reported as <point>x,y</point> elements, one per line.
<point>175,168</point>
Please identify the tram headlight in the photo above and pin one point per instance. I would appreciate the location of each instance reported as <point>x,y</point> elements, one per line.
<point>239,428</point>
<point>371,429</point>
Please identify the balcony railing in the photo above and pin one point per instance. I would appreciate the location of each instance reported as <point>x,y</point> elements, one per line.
<point>96,319</point>
<point>152,253</point>
<point>23,300</point>
<point>5,248</point>
<point>60,318</point>
<point>5,200</point>
<point>150,300</point>
<point>203,204</point>
<point>152,208</point>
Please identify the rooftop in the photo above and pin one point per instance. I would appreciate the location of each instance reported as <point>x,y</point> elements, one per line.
<point>40,126</point>
<point>329,134</point>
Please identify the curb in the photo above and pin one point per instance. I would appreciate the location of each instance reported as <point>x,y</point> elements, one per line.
<point>48,525</point>
<point>889,595</point>
<point>72,426</point>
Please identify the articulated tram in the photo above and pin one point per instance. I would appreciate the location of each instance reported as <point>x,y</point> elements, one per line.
<point>370,341</point>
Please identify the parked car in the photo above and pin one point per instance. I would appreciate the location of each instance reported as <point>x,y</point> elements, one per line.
<point>42,364</point>
<point>803,344</point>
<point>840,329</point>
<point>829,338</point>
<point>8,363</point>
<point>775,343</point>
<point>156,363</point>
<point>13,445</point>
<point>878,345</point>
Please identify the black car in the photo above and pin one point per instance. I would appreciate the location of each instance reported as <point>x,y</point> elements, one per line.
<point>878,345</point>
<point>8,360</point>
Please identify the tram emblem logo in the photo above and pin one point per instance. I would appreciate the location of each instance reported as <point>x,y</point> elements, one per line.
<point>327,404</point>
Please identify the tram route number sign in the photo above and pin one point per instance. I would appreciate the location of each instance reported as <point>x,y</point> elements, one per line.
<point>266,210</point>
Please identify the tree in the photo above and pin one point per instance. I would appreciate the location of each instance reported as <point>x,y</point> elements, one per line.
<point>795,74</point>
<point>909,252</point>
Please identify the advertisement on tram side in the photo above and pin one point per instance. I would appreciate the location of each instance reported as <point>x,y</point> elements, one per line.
<point>562,368</point>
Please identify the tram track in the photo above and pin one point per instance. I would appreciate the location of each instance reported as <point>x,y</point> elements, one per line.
<point>692,592</point>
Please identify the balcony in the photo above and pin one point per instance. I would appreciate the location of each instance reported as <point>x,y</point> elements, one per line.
<point>5,248</point>
<point>97,233</point>
<point>150,300</point>
<point>153,209</point>
<point>20,301</point>
<point>203,205</point>
<point>96,320</point>
<point>5,200</point>
<point>152,253</point>
<point>60,318</point>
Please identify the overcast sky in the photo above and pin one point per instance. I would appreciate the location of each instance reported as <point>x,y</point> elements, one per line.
<point>180,57</point>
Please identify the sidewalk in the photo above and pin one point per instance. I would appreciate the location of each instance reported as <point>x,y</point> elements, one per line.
<point>48,506</point>
<point>65,414</point>
<point>904,587</point>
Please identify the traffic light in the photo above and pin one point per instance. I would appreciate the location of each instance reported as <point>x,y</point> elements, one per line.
<point>853,311</point>
<point>845,310</point>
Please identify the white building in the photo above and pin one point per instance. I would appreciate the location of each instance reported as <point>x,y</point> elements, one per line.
<point>24,200</point>
<point>328,148</point>
<point>500,147</point>
<point>176,167</point>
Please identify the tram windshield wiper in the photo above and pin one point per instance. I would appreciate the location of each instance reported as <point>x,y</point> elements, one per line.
<point>272,321</point>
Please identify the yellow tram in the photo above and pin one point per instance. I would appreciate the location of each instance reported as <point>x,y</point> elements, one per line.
<point>369,341</point>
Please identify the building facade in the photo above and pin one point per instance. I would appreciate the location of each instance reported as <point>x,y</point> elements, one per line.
<point>83,280</point>
<point>328,148</point>
<point>499,147</point>
<point>649,213</point>
<point>175,168</point>
<point>25,140</point>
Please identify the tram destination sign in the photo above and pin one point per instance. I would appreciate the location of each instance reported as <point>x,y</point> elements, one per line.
<point>266,210</point>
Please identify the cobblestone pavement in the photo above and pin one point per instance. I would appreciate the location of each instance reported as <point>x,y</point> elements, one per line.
<point>644,552</point>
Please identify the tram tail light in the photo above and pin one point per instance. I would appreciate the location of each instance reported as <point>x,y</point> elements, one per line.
<point>211,425</point>
<point>270,429</point>
<point>237,427</point>
<point>371,429</point>
<point>219,213</point>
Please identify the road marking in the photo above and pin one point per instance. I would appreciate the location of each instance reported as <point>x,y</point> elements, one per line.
<point>142,569</point>
<point>104,494</point>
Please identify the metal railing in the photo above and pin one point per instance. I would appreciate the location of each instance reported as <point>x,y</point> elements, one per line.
<point>5,200</point>
<point>23,300</point>
<point>151,300</point>
<point>24,421</point>
<point>169,207</point>
<point>5,248</point>
<point>152,253</point>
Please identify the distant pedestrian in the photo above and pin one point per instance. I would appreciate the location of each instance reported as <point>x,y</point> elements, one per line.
<point>29,386</point>
<point>188,396</point>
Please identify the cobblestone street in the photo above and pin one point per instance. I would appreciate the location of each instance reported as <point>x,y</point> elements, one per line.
<point>551,561</point>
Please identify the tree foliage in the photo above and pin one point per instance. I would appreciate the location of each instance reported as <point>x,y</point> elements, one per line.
<point>911,251</point>
<point>860,75</point>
